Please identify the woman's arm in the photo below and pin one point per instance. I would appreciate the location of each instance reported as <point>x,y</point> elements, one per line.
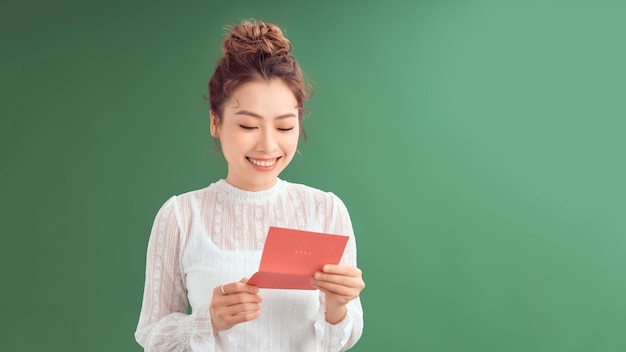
<point>340,323</point>
<point>164,324</point>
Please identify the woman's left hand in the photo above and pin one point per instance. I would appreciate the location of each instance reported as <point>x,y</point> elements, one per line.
<point>340,284</point>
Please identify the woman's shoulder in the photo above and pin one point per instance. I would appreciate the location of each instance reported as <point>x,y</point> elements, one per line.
<point>193,193</point>
<point>199,192</point>
<point>319,195</point>
<point>325,207</point>
<point>187,198</point>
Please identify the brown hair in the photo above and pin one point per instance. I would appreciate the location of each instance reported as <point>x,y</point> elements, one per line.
<point>255,50</point>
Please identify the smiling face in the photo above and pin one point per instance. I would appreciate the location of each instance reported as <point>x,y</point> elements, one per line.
<point>258,132</point>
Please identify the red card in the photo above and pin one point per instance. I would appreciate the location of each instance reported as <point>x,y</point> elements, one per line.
<point>291,257</point>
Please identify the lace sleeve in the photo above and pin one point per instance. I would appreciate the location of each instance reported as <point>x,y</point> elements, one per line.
<point>345,334</point>
<point>164,324</point>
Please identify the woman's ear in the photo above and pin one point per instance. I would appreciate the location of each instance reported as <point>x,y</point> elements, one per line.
<point>213,124</point>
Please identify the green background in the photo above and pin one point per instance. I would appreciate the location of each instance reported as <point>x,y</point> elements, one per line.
<point>479,146</point>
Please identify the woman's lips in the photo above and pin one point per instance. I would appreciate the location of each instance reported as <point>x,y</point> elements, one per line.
<point>263,164</point>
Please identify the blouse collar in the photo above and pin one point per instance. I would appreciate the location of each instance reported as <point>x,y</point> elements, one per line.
<point>231,191</point>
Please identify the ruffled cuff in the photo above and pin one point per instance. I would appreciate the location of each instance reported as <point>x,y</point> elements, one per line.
<point>335,337</point>
<point>201,330</point>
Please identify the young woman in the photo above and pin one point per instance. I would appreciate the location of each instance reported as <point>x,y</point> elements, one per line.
<point>205,243</point>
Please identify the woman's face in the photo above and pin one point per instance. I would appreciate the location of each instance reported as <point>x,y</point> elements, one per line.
<point>258,133</point>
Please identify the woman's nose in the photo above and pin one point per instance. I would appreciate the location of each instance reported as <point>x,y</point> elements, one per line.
<point>267,142</point>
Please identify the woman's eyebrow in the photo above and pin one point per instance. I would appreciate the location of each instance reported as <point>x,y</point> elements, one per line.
<point>253,114</point>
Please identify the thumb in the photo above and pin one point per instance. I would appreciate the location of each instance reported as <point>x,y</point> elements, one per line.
<point>244,280</point>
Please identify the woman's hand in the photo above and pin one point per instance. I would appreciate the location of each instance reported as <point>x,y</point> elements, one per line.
<point>340,285</point>
<point>234,303</point>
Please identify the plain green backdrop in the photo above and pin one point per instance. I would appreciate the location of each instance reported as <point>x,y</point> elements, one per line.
<point>479,146</point>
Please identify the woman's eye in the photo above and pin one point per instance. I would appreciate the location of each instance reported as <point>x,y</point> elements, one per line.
<point>285,128</point>
<point>247,127</point>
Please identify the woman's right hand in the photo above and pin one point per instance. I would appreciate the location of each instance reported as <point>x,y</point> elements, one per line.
<point>234,303</point>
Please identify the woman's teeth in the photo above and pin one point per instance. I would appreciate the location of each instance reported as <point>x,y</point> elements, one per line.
<point>263,163</point>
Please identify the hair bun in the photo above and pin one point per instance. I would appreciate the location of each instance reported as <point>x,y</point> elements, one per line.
<point>256,37</point>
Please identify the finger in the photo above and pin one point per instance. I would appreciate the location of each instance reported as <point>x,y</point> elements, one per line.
<point>346,280</point>
<point>226,317</point>
<point>238,298</point>
<point>338,284</point>
<point>219,301</point>
<point>236,305</point>
<point>337,289</point>
<point>240,308</point>
<point>242,286</point>
<point>242,317</point>
<point>236,287</point>
<point>341,270</point>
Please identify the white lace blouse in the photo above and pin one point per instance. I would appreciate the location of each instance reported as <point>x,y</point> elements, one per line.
<point>212,236</point>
